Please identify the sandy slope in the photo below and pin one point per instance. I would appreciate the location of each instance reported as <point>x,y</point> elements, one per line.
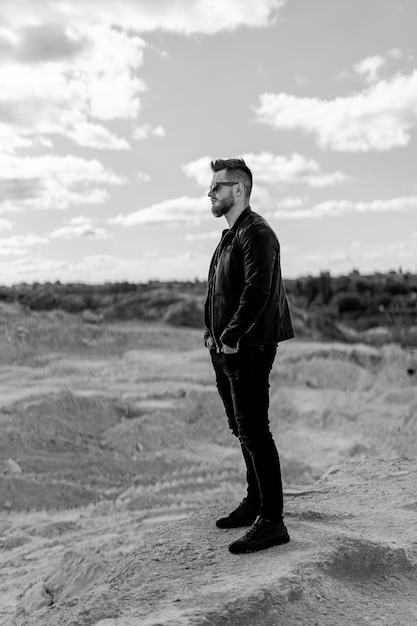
<point>351,560</point>
<point>107,433</point>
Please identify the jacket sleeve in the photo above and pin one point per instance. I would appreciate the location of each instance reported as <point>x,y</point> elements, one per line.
<point>260,250</point>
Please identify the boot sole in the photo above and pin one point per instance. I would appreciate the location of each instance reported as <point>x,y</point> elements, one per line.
<point>226,526</point>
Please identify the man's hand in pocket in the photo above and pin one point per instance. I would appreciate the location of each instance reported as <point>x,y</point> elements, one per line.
<point>228,350</point>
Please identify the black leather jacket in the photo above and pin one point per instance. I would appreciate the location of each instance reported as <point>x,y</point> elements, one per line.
<point>246,301</point>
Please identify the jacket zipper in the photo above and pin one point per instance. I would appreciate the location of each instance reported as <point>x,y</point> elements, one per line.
<point>245,333</point>
<point>212,308</point>
<point>214,281</point>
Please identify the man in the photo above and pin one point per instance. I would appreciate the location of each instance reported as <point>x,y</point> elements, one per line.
<point>246,315</point>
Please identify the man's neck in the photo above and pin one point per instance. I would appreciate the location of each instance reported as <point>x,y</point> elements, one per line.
<point>232,215</point>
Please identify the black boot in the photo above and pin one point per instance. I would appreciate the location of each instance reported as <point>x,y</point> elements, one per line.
<point>263,534</point>
<point>243,515</point>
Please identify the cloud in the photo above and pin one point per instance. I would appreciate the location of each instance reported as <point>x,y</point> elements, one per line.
<point>32,268</point>
<point>182,266</point>
<point>102,268</point>
<point>369,67</point>
<point>150,266</point>
<point>143,177</point>
<point>286,207</point>
<point>186,18</point>
<point>37,43</point>
<point>211,236</point>
<point>184,210</point>
<point>52,182</point>
<point>396,53</point>
<point>200,170</point>
<point>288,214</point>
<point>379,118</point>
<point>6,225</point>
<point>290,203</point>
<point>79,227</point>
<point>271,169</point>
<point>370,257</point>
<point>337,208</point>
<point>90,135</point>
<point>330,259</point>
<point>60,74</point>
<point>145,131</point>
<point>72,95</point>
<point>18,245</point>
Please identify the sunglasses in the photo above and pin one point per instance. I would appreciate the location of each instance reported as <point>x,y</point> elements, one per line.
<point>214,188</point>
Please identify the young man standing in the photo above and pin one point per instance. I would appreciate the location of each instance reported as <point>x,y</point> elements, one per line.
<point>246,315</point>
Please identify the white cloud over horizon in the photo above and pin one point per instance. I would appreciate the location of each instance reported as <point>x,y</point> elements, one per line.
<point>206,236</point>
<point>361,255</point>
<point>101,268</point>
<point>338,208</point>
<point>18,245</point>
<point>76,228</point>
<point>52,182</point>
<point>183,210</point>
<point>379,118</point>
<point>79,227</point>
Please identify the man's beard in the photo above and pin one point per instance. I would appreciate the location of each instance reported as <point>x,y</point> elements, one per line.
<point>222,207</point>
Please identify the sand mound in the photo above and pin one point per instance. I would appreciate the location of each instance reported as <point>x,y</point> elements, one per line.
<point>350,565</point>
<point>367,560</point>
<point>62,422</point>
<point>74,574</point>
<point>153,431</point>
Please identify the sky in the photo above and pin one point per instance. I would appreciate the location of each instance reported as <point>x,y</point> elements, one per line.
<point>111,110</point>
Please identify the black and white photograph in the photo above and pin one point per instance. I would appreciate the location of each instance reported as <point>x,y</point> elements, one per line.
<point>208,313</point>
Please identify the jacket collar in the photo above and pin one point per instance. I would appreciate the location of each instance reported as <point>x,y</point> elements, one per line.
<point>239,220</point>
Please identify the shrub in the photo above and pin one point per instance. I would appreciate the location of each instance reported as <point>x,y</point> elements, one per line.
<point>185,313</point>
<point>384,300</point>
<point>397,289</point>
<point>73,303</point>
<point>349,302</point>
<point>40,299</point>
<point>363,285</point>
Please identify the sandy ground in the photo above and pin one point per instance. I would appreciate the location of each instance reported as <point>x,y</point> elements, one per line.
<point>112,436</point>
<point>349,562</point>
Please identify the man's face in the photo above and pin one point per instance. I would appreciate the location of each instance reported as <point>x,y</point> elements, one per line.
<point>221,194</point>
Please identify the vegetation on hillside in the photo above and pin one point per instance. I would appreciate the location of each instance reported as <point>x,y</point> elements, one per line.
<point>178,303</point>
<point>322,304</point>
<point>360,301</point>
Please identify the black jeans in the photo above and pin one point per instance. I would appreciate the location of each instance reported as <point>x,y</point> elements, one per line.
<point>243,383</point>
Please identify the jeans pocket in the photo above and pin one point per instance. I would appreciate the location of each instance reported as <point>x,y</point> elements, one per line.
<point>230,363</point>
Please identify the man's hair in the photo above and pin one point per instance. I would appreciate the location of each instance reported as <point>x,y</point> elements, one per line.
<point>236,169</point>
